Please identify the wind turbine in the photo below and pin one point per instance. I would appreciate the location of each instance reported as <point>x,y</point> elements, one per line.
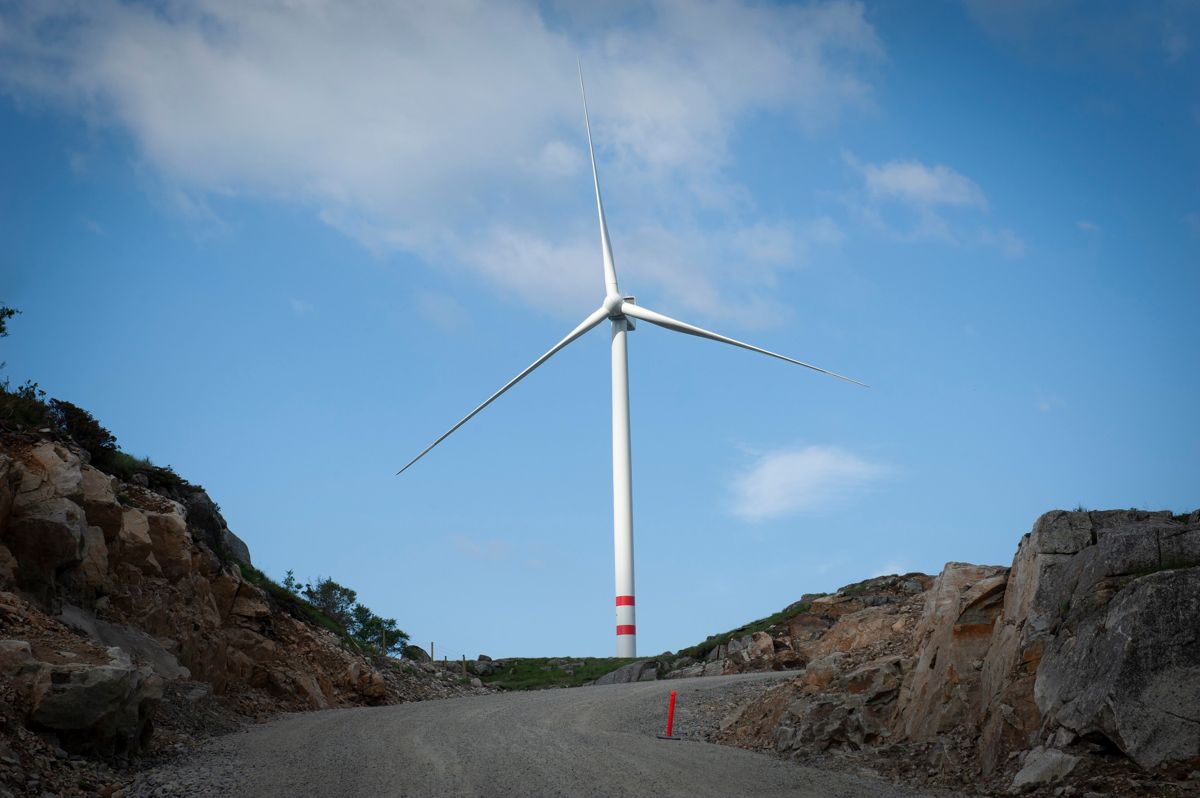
<point>620,312</point>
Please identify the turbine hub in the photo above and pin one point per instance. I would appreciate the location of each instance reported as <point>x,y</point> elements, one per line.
<point>612,305</point>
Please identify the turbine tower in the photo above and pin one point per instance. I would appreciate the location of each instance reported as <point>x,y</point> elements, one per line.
<point>620,312</point>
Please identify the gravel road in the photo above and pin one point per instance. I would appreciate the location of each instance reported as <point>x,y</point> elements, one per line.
<point>589,741</point>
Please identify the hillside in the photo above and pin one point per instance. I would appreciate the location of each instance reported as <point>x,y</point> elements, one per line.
<point>132,623</point>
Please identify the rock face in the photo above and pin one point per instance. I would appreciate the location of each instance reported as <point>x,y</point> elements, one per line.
<point>1090,642</point>
<point>151,583</point>
<point>1099,637</point>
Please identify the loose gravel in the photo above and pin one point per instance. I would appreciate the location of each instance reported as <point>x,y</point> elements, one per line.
<point>589,741</point>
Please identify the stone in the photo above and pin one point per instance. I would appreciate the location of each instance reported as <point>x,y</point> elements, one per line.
<point>1043,766</point>
<point>171,541</point>
<point>15,656</point>
<point>45,537</point>
<point>955,631</point>
<point>94,566</point>
<point>100,501</point>
<point>49,470</point>
<point>476,682</point>
<point>135,545</point>
<point>416,653</point>
<point>633,672</point>
<point>1132,673</point>
<point>101,708</point>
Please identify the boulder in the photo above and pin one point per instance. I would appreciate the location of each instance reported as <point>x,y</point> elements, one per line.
<point>1089,637</point>
<point>641,671</point>
<point>1132,673</point>
<point>49,470</point>
<point>1042,766</point>
<point>171,541</point>
<point>135,544</point>
<point>100,501</point>
<point>209,527</point>
<point>416,653</point>
<point>105,709</point>
<point>45,537</point>
<point>15,656</point>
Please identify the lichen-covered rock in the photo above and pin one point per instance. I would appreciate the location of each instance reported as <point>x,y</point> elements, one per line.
<point>1132,672</point>
<point>1056,658</point>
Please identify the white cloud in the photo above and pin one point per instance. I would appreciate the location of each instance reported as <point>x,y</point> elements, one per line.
<point>914,182</point>
<point>453,130</point>
<point>489,550</point>
<point>789,481</point>
<point>913,201</point>
<point>1088,226</point>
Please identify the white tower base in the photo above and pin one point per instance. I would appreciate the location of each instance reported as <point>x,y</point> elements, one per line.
<point>622,493</point>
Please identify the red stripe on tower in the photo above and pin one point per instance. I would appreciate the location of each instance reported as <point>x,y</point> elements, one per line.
<point>626,629</point>
<point>624,601</point>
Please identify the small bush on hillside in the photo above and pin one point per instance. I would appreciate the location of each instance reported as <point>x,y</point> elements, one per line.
<point>356,621</point>
<point>84,429</point>
<point>25,406</point>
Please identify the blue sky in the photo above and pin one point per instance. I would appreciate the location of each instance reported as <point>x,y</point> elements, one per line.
<point>282,246</point>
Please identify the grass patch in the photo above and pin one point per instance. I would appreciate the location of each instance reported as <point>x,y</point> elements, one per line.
<point>700,650</point>
<point>537,673</point>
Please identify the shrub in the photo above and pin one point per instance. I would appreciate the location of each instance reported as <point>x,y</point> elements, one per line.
<point>25,406</point>
<point>84,429</point>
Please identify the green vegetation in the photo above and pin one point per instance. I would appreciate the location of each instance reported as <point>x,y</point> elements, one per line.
<point>6,313</point>
<point>291,603</point>
<point>334,607</point>
<point>539,673</point>
<point>700,650</point>
<point>26,407</point>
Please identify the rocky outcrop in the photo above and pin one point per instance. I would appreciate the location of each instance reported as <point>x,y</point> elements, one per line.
<point>1098,638</point>
<point>123,588</point>
<point>1083,654</point>
<point>643,671</point>
<point>93,700</point>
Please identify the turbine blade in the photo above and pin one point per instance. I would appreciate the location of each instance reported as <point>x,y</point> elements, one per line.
<point>587,324</point>
<point>645,314</point>
<point>610,270</point>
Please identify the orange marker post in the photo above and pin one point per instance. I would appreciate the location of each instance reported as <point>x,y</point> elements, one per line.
<point>670,720</point>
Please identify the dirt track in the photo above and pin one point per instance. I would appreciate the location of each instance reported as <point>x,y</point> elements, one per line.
<point>591,741</point>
